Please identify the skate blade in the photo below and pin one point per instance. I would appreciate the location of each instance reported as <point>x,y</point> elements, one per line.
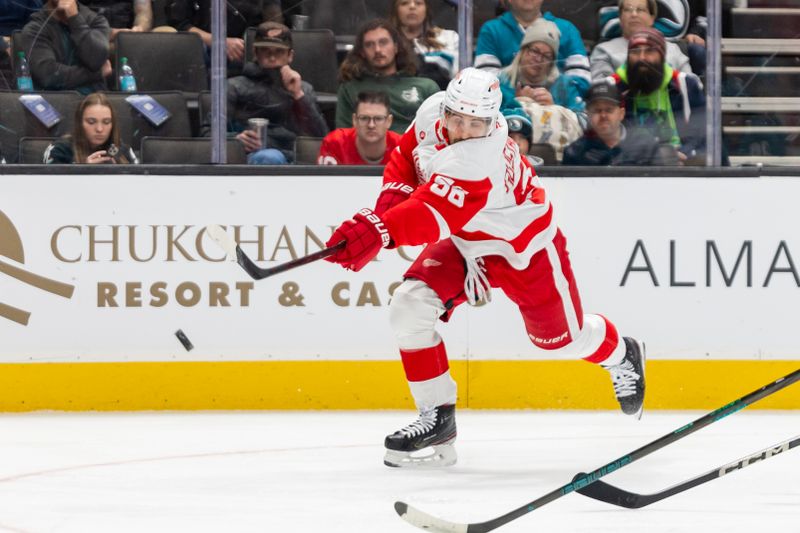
<point>638,414</point>
<point>436,456</point>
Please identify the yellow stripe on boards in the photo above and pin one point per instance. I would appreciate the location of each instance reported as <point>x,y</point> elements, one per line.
<point>374,385</point>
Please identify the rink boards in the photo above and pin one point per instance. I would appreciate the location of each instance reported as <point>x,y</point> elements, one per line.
<point>97,272</point>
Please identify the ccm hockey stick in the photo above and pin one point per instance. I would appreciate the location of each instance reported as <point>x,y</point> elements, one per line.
<point>600,490</point>
<point>218,235</point>
<point>429,522</point>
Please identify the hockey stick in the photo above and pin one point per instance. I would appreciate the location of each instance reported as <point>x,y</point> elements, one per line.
<point>424,520</point>
<point>600,490</point>
<point>218,235</point>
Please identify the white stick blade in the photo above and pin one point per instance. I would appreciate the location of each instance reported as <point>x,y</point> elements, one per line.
<point>423,520</point>
<point>220,236</point>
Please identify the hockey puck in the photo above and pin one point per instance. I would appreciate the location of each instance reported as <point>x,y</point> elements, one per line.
<point>184,340</point>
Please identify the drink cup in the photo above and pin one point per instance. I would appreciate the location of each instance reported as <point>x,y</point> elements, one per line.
<point>260,127</point>
<point>300,22</point>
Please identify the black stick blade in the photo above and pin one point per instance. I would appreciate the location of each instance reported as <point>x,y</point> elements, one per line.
<point>605,492</point>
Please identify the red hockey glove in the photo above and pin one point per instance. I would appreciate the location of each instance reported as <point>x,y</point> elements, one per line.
<point>365,235</point>
<point>392,194</point>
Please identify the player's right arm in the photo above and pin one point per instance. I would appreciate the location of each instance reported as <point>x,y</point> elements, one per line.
<point>399,175</point>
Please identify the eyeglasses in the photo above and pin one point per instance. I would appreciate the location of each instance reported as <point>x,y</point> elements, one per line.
<point>537,54</point>
<point>379,120</point>
<point>634,10</point>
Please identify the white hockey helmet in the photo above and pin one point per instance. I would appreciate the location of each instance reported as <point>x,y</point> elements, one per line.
<point>474,92</point>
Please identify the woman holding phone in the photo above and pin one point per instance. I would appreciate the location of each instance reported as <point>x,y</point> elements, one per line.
<point>95,137</point>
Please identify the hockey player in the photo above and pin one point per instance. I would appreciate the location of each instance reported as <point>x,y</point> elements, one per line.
<point>457,183</point>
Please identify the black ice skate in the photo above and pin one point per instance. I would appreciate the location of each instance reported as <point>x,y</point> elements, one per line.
<point>628,378</point>
<point>435,429</point>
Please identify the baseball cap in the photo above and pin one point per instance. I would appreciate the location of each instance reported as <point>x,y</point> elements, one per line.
<point>518,122</point>
<point>604,91</point>
<point>273,34</point>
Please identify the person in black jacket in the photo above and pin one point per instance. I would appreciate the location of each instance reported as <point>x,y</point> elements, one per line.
<point>195,16</point>
<point>68,45</point>
<point>124,15</point>
<point>270,88</point>
<point>608,141</point>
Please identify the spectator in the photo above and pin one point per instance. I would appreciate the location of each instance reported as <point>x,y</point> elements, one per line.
<point>195,16</point>
<point>14,14</point>
<point>6,72</point>
<point>607,141</point>
<point>124,15</point>
<point>368,143</point>
<point>437,48</point>
<point>69,47</point>
<point>269,88</point>
<point>608,56</point>
<point>520,129</point>
<point>95,137</point>
<point>668,103</point>
<point>553,101</point>
<point>381,61</point>
<point>696,35</point>
<point>533,72</point>
<point>499,40</point>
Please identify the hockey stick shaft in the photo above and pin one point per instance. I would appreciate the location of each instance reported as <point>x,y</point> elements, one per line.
<point>257,272</point>
<point>218,235</point>
<point>602,491</point>
<point>424,520</point>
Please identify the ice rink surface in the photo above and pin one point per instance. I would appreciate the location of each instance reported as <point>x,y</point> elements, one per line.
<point>323,472</point>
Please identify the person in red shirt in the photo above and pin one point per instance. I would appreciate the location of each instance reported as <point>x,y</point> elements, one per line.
<point>370,142</point>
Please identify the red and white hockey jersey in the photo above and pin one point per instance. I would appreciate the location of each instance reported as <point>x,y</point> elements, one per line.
<point>480,192</point>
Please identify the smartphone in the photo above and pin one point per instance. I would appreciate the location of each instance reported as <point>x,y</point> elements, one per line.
<point>113,152</point>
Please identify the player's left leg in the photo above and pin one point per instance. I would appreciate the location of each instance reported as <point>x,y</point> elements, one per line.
<point>433,287</point>
<point>548,299</point>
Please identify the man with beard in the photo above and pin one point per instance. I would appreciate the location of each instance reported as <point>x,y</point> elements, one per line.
<point>382,61</point>
<point>634,15</point>
<point>608,141</point>
<point>670,104</point>
<point>269,88</point>
<point>458,183</point>
<point>68,45</point>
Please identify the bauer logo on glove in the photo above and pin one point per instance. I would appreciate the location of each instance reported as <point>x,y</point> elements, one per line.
<point>379,226</point>
<point>365,235</point>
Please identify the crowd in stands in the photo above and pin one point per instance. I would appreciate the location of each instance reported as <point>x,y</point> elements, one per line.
<point>630,99</point>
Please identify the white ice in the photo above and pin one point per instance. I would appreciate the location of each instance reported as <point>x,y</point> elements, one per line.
<point>323,472</point>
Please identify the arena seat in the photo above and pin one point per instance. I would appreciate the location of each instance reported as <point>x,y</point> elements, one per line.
<point>17,122</point>
<point>164,61</point>
<point>134,126</point>
<point>31,149</point>
<point>545,152</point>
<point>187,151</point>
<point>306,150</point>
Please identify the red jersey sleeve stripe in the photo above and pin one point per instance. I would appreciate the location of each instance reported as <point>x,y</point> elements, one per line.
<point>520,242</point>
